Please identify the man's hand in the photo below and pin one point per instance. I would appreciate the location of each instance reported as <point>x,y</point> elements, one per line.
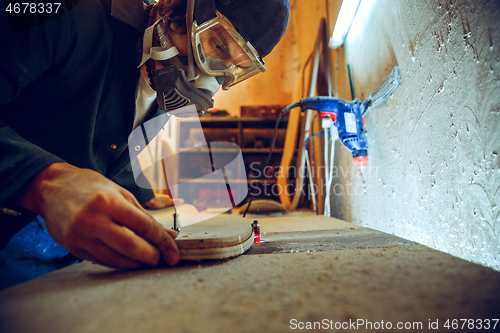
<point>162,201</point>
<point>95,219</point>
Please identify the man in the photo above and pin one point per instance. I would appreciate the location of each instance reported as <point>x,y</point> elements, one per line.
<point>70,97</point>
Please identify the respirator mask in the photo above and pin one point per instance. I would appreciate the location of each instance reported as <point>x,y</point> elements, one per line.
<point>222,57</point>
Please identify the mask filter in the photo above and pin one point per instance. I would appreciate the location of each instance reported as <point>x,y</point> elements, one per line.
<point>174,92</point>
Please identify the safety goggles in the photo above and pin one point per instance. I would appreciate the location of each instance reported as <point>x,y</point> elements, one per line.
<point>219,50</point>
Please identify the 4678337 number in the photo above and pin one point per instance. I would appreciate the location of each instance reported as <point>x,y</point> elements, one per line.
<point>471,324</point>
<point>33,7</point>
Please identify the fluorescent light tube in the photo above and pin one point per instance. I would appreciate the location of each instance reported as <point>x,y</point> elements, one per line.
<point>344,20</point>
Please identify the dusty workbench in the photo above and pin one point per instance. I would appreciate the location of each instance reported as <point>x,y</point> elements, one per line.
<point>309,270</point>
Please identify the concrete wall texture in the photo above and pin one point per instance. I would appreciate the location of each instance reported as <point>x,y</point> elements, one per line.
<point>434,170</point>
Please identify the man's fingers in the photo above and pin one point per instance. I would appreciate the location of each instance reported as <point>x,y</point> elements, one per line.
<point>178,201</point>
<point>127,243</point>
<point>159,201</point>
<point>145,226</point>
<point>172,233</point>
<point>162,201</point>
<point>102,254</point>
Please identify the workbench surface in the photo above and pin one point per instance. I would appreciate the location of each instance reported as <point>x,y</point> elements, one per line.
<point>332,274</point>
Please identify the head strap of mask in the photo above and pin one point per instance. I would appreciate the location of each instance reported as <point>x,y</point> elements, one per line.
<point>189,26</point>
<point>174,88</point>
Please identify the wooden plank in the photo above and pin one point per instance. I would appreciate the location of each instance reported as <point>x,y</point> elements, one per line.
<point>216,252</point>
<point>263,206</point>
<point>207,235</point>
<point>319,162</point>
<point>219,231</point>
<point>292,134</point>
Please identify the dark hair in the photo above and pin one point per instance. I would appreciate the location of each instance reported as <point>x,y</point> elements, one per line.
<point>175,11</point>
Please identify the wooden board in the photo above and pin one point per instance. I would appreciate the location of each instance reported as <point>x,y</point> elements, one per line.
<point>317,156</point>
<point>263,206</point>
<point>205,235</point>
<point>216,252</point>
<point>290,145</point>
<point>220,237</point>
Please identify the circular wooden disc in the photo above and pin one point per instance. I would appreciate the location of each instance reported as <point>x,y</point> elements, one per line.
<point>216,232</point>
<point>263,206</point>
